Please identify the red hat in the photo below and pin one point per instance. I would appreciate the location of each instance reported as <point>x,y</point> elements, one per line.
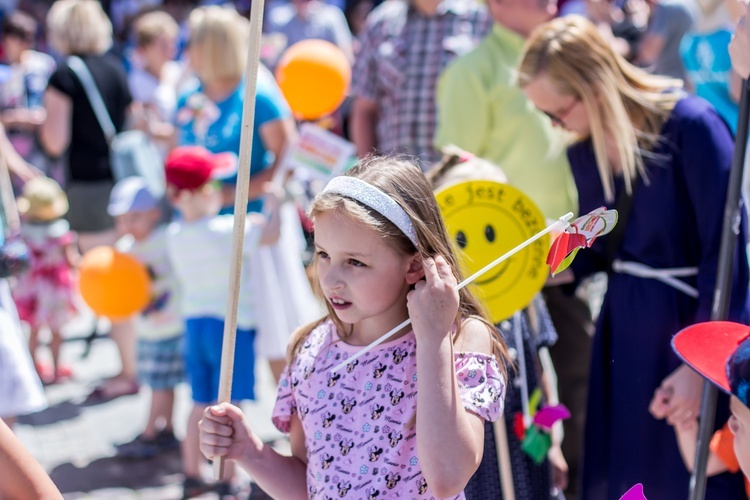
<point>190,167</point>
<point>720,351</point>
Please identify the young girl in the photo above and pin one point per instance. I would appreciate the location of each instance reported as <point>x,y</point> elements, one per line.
<point>44,293</point>
<point>382,255</point>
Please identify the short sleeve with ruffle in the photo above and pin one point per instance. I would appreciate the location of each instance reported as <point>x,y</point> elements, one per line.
<point>285,405</point>
<point>481,384</point>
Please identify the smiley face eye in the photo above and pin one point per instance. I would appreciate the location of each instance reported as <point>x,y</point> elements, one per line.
<point>461,239</point>
<point>489,233</point>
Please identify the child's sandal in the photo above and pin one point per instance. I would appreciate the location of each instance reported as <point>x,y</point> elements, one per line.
<point>141,448</point>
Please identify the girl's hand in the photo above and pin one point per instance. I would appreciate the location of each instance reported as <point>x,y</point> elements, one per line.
<point>224,432</point>
<point>433,304</point>
<point>659,407</point>
<point>559,468</point>
<point>679,396</point>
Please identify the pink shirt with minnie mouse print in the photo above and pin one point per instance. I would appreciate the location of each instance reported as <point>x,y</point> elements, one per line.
<point>356,421</point>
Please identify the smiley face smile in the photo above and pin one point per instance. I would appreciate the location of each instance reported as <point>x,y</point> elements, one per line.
<point>492,277</point>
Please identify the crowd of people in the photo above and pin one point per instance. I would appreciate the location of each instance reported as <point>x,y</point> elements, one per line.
<point>630,104</point>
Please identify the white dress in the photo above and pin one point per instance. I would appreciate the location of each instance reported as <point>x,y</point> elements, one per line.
<point>283,296</point>
<point>20,389</point>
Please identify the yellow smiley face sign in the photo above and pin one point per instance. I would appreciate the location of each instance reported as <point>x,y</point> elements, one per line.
<point>485,219</point>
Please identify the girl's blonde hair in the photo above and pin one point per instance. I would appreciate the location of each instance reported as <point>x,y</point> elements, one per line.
<point>219,41</point>
<point>404,182</point>
<point>625,105</point>
<point>79,27</point>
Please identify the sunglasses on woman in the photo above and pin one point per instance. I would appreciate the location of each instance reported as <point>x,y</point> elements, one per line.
<point>559,117</point>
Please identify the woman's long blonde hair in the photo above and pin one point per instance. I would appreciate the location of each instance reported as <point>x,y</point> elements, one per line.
<point>625,105</point>
<point>406,184</point>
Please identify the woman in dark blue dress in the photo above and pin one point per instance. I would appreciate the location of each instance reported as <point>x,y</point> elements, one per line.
<point>640,134</point>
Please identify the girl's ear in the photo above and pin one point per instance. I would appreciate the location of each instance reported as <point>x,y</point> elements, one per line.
<point>415,272</point>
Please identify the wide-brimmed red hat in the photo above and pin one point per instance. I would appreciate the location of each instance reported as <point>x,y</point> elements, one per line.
<point>720,351</point>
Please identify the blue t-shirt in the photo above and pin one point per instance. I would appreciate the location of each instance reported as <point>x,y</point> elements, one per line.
<point>707,62</point>
<point>217,126</point>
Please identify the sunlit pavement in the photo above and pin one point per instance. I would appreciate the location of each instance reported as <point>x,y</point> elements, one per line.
<point>75,441</point>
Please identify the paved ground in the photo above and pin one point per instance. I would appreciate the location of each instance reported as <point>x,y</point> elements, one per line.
<point>75,442</point>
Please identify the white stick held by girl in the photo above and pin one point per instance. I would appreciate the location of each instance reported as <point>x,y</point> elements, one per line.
<point>382,255</point>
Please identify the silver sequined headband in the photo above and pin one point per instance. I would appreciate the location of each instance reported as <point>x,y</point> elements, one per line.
<point>374,198</point>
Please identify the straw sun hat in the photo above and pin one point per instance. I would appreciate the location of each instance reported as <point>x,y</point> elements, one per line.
<point>42,200</point>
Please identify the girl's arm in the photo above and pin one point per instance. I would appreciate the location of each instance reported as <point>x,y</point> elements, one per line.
<point>276,135</point>
<point>224,432</point>
<point>687,438</point>
<point>23,477</point>
<point>450,440</point>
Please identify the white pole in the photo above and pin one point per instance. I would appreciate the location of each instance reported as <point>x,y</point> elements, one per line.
<point>240,211</point>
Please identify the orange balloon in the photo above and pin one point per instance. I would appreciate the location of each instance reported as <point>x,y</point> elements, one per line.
<point>314,76</point>
<point>113,284</point>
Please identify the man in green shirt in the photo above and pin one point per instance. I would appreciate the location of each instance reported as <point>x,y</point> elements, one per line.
<point>481,110</point>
